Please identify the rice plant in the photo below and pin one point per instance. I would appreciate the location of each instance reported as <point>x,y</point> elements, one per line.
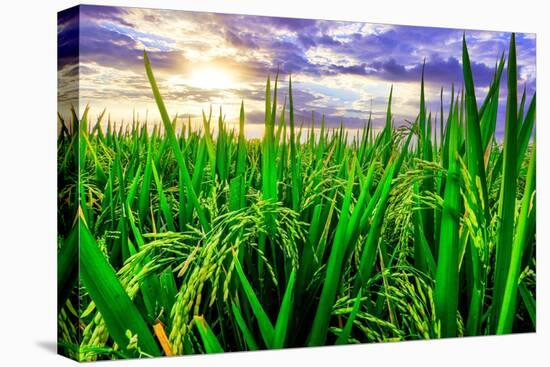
<point>177,241</point>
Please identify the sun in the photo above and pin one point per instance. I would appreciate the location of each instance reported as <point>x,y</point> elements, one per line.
<point>211,78</point>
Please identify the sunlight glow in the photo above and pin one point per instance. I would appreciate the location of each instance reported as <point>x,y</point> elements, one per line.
<point>211,78</point>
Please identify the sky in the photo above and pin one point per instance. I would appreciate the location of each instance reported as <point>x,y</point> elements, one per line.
<point>342,70</point>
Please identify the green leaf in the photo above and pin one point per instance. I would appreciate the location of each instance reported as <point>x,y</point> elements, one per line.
<point>346,332</point>
<point>171,136</point>
<point>318,333</point>
<point>509,301</point>
<point>446,279</point>
<point>265,325</point>
<point>248,336</point>
<point>526,130</point>
<point>285,313</point>
<point>296,179</point>
<point>67,267</point>
<point>116,308</point>
<point>368,254</point>
<point>145,191</point>
<point>211,343</point>
<point>529,302</point>
<point>164,206</point>
<point>507,200</point>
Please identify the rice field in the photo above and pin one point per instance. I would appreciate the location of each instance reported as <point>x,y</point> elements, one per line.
<point>178,241</point>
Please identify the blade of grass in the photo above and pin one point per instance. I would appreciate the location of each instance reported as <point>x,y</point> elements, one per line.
<point>247,334</point>
<point>171,136</point>
<point>116,308</point>
<point>265,325</point>
<point>211,343</point>
<point>509,301</point>
<point>507,200</point>
<point>285,313</point>
<point>446,279</point>
<point>343,338</point>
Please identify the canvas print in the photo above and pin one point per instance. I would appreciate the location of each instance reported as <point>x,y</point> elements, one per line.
<point>238,183</point>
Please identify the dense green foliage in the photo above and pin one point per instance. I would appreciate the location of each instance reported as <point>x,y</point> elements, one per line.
<point>202,241</point>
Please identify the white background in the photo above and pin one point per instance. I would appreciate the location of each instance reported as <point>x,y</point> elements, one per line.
<point>28,182</point>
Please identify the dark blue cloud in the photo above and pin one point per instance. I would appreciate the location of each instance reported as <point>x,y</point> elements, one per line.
<point>240,39</point>
<point>327,40</point>
<point>359,69</point>
<point>67,37</point>
<point>306,40</point>
<point>437,71</point>
<point>113,48</point>
<point>107,14</point>
<point>292,24</point>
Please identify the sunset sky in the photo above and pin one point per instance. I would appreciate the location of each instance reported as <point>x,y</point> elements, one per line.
<point>339,69</point>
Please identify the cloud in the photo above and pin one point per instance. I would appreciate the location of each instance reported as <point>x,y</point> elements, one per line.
<point>437,71</point>
<point>67,37</point>
<point>338,67</point>
<point>107,14</point>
